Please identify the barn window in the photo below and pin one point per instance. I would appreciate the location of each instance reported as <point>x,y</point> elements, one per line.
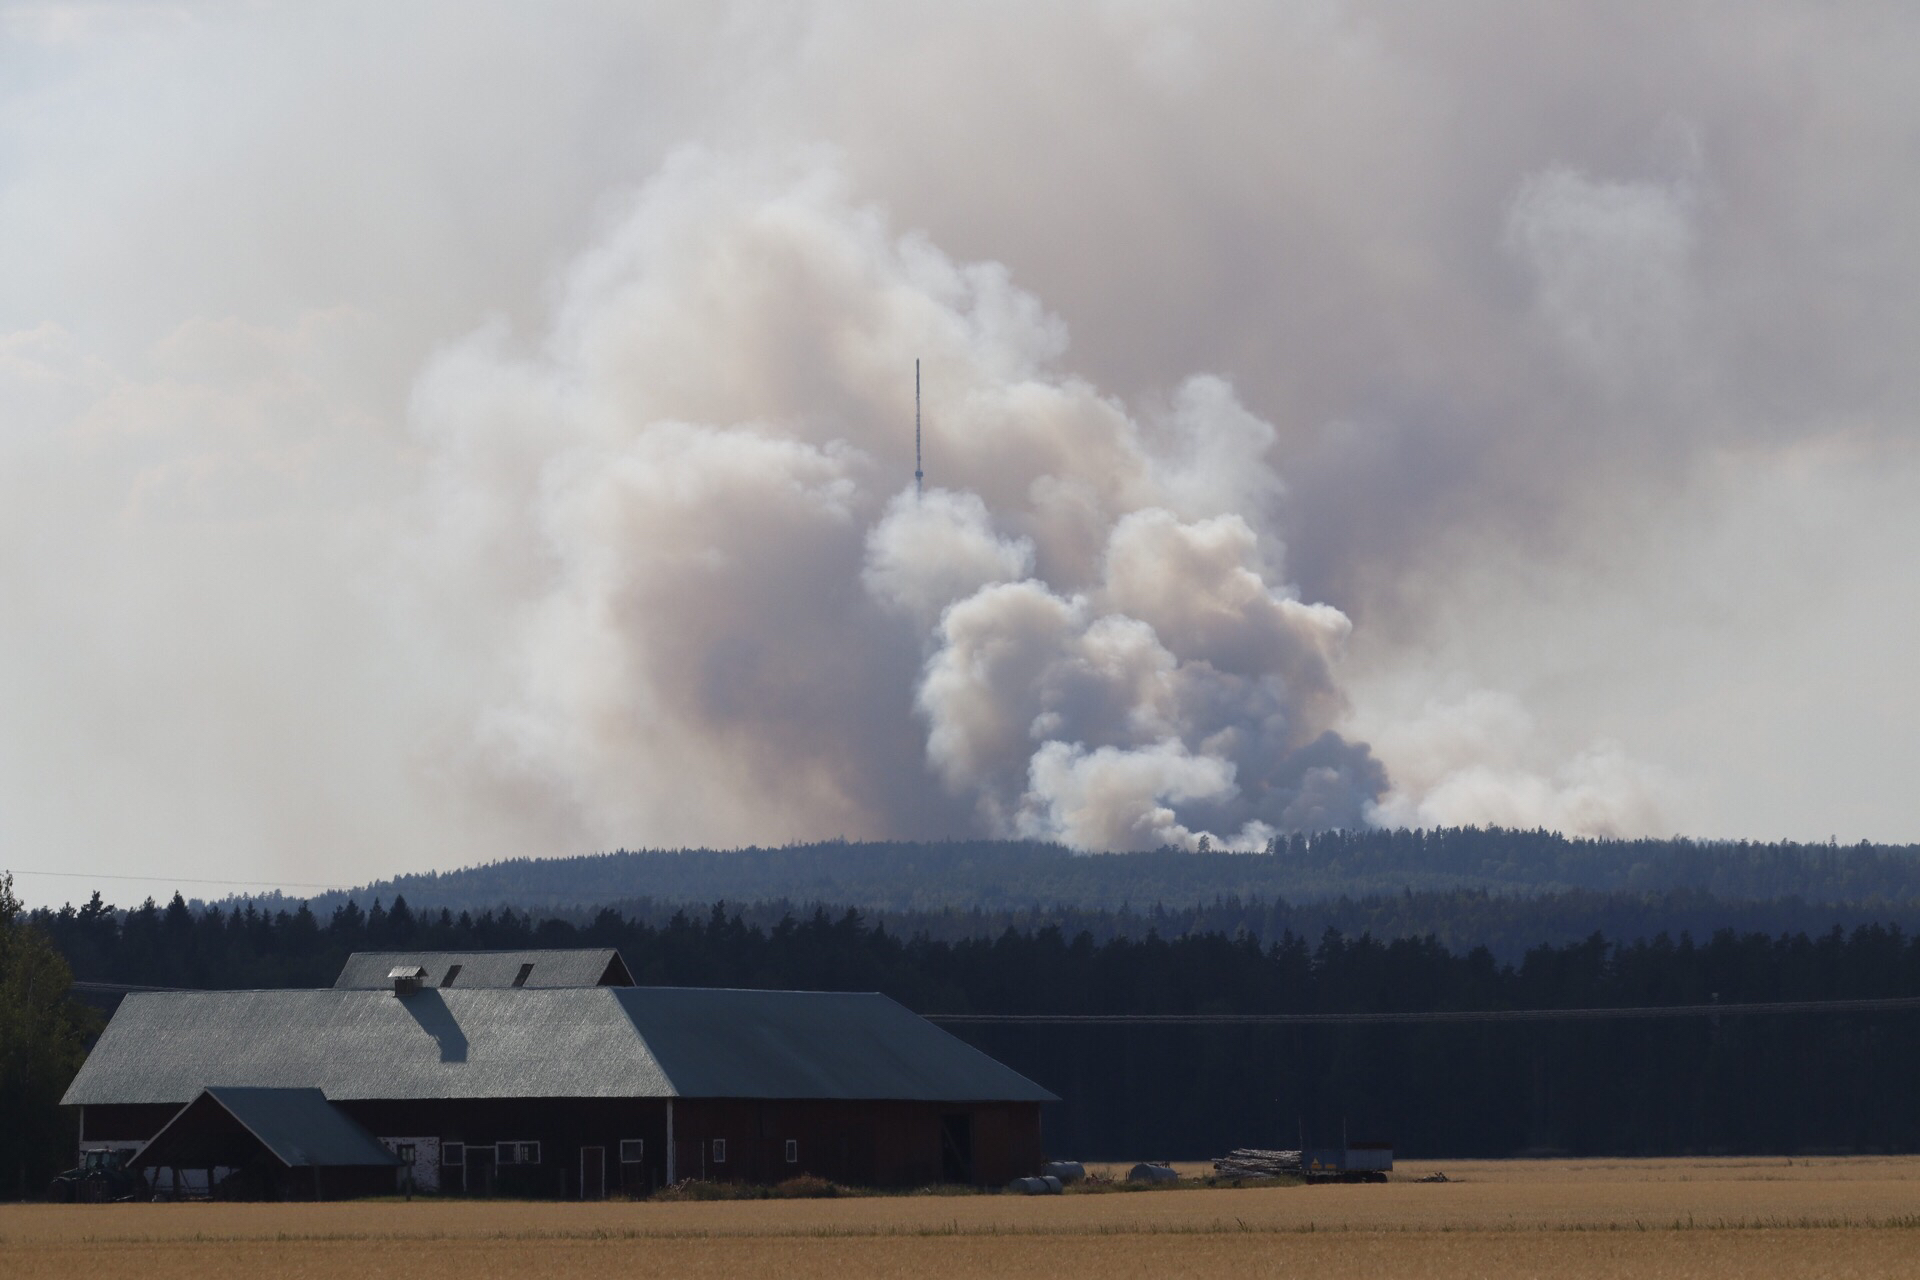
<point>453,971</point>
<point>719,1150</point>
<point>793,1151</point>
<point>633,1150</point>
<point>405,1151</point>
<point>517,1153</point>
<point>453,1153</point>
<point>526,971</point>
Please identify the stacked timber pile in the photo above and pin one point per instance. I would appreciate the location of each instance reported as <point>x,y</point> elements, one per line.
<point>1250,1162</point>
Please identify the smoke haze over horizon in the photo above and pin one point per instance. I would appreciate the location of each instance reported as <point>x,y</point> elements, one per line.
<point>445,433</point>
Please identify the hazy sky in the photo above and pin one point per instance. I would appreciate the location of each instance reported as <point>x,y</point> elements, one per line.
<point>437,432</point>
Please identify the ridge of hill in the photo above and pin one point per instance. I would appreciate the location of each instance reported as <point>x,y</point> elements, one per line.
<point>1002,876</point>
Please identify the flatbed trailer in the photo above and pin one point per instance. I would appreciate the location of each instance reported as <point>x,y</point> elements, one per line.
<point>1355,1162</point>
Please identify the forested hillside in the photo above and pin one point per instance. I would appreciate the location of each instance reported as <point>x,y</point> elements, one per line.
<point>1016,876</point>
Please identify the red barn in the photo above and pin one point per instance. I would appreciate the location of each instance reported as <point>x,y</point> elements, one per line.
<point>516,1087</point>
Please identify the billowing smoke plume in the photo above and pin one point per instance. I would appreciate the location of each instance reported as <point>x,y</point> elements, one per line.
<point>468,430</point>
<point>727,611</point>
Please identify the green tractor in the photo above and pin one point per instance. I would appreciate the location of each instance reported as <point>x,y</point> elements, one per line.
<point>102,1176</point>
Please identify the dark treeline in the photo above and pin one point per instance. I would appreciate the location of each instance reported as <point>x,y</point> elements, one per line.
<point>1014,971</point>
<point>1016,876</point>
<point>259,944</point>
<point>1508,925</point>
<point>1738,1083</point>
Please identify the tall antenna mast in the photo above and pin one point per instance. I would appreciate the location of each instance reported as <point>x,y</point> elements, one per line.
<point>918,475</point>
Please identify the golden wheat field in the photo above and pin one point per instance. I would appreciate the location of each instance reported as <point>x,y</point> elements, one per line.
<point>1652,1218</point>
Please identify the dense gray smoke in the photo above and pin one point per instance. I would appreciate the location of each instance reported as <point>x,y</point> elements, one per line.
<point>460,431</point>
<point>727,617</point>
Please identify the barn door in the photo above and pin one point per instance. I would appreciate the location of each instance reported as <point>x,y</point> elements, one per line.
<point>956,1148</point>
<point>593,1173</point>
<point>480,1170</point>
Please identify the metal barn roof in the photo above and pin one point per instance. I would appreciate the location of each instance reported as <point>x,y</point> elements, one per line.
<point>584,1042</point>
<point>812,1044</point>
<point>574,1042</point>
<point>298,1126</point>
<point>583,967</point>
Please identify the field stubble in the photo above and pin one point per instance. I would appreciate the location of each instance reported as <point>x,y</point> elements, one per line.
<point>1703,1218</point>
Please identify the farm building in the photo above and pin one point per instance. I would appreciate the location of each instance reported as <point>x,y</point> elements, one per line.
<point>282,1143</point>
<point>519,1088</point>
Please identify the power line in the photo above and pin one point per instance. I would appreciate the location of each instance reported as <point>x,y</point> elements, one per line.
<point>1883,1004</point>
<point>1878,1005</point>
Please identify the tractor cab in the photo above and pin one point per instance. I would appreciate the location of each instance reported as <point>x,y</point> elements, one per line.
<point>101,1175</point>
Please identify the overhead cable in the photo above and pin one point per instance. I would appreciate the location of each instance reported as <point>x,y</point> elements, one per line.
<point>1887,1004</point>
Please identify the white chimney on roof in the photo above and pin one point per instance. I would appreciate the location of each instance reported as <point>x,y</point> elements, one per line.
<point>406,978</point>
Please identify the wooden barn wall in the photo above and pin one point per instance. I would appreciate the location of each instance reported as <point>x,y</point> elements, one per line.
<point>562,1127</point>
<point>858,1143</point>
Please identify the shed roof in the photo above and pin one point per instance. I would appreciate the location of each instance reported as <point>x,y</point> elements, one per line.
<point>584,1042</point>
<point>299,1127</point>
<point>578,967</point>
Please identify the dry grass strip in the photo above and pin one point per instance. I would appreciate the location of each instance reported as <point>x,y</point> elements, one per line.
<point>1706,1255</point>
<point>1499,1219</point>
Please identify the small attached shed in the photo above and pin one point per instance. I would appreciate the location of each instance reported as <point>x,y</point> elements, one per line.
<point>275,1144</point>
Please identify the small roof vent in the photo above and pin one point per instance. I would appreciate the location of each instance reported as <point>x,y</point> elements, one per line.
<point>406,978</point>
<point>526,971</point>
